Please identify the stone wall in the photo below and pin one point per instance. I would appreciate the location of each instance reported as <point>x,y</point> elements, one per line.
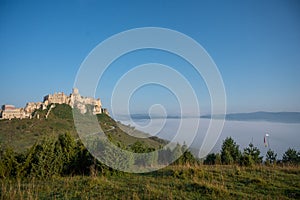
<point>58,98</point>
<point>10,112</point>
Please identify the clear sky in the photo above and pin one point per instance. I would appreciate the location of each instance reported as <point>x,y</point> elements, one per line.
<point>255,44</point>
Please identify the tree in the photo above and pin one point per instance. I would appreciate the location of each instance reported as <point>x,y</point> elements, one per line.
<point>271,157</point>
<point>8,163</point>
<point>218,160</point>
<point>164,156</point>
<point>116,158</point>
<point>145,155</point>
<point>187,158</point>
<point>230,152</point>
<point>210,159</point>
<point>254,153</point>
<point>45,161</point>
<point>291,157</point>
<point>246,160</point>
<point>176,153</point>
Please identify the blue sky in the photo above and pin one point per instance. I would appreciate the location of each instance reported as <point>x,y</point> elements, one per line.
<point>255,44</point>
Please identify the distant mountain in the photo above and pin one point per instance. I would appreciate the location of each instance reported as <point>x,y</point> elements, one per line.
<point>281,117</point>
<point>146,116</point>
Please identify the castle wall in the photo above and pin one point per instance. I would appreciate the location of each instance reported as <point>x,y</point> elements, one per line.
<point>10,112</point>
<point>58,98</point>
<point>74,99</point>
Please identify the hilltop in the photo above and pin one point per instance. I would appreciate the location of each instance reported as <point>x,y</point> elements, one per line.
<point>21,134</point>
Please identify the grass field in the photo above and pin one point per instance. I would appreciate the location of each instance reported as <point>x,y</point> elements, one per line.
<point>173,182</point>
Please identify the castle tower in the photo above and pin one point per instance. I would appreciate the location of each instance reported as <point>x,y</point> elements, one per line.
<point>75,91</point>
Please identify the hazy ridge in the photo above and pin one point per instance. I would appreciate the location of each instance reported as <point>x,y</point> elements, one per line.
<point>279,117</point>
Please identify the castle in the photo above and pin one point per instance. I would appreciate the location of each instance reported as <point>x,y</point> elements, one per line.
<point>75,100</point>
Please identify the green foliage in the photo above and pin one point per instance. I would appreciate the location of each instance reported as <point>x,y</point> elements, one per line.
<point>218,159</point>
<point>8,163</point>
<point>62,156</point>
<point>116,158</point>
<point>61,111</point>
<point>177,152</point>
<point>291,157</point>
<point>164,156</point>
<point>66,150</point>
<point>210,159</point>
<point>251,156</point>
<point>46,159</point>
<point>230,152</point>
<point>247,160</point>
<point>271,157</point>
<point>145,155</point>
<point>187,158</point>
<point>139,147</point>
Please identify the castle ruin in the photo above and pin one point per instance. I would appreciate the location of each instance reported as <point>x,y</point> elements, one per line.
<point>75,100</point>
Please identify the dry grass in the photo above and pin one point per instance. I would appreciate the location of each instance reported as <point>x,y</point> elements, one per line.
<point>174,182</point>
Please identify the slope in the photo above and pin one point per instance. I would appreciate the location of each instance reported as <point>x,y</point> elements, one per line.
<point>22,134</point>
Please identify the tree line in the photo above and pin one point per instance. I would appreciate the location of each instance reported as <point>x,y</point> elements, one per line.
<point>231,154</point>
<point>65,156</point>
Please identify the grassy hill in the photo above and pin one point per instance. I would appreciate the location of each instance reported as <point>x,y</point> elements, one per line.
<point>22,134</point>
<point>174,182</point>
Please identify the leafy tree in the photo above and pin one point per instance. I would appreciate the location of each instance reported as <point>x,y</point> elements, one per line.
<point>254,153</point>
<point>291,157</point>
<point>271,157</point>
<point>230,152</point>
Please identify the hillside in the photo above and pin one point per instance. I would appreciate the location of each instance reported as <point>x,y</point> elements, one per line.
<point>22,134</point>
